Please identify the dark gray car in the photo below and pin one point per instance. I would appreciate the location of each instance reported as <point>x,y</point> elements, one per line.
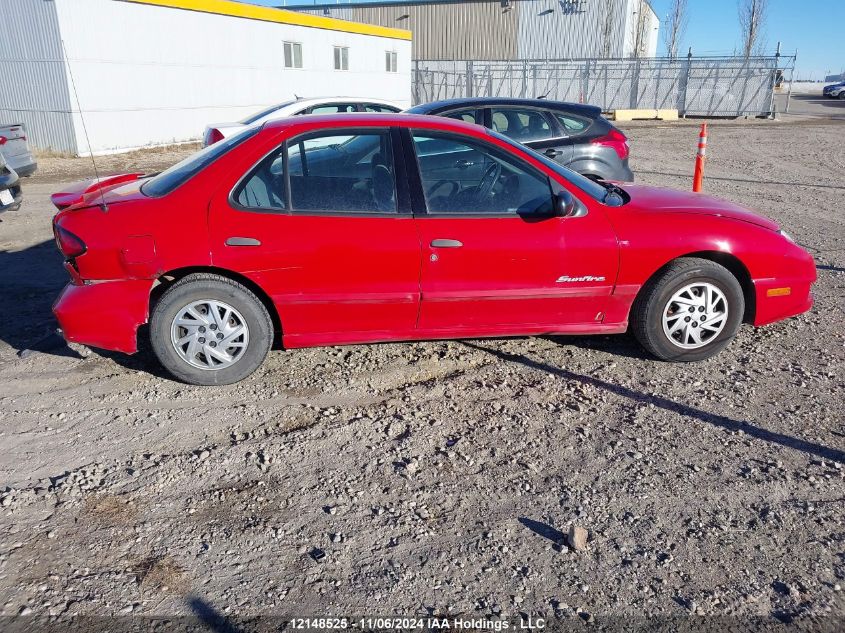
<point>574,135</point>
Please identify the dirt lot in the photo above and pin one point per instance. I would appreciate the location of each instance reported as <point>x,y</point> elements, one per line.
<point>440,477</point>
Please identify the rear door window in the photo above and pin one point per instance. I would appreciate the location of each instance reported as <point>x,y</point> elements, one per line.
<point>330,172</point>
<point>469,115</point>
<point>266,188</point>
<point>522,125</point>
<point>341,172</point>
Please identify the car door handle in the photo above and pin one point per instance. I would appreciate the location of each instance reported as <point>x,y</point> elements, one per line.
<point>243,241</point>
<point>446,244</point>
<point>552,153</point>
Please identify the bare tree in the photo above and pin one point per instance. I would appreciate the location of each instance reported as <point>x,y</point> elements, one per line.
<point>607,28</point>
<point>638,28</point>
<point>676,25</point>
<point>752,19</point>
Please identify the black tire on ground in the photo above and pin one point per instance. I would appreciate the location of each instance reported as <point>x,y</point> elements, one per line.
<point>650,304</point>
<point>206,286</point>
<point>842,95</point>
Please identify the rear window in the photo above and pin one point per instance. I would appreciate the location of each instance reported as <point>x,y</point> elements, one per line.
<point>379,107</point>
<point>173,177</point>
<point>572,124</point>
<point>260,115</point>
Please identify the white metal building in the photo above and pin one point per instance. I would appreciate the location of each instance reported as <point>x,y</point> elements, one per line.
<point>149,72</point>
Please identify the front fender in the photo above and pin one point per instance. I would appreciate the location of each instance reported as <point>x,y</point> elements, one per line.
<point>649,241</point>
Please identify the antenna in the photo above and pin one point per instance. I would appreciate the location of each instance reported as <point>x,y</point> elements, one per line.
<point>103,204</point>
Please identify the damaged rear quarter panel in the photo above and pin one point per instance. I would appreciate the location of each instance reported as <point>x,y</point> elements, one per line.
<point>105,314</point>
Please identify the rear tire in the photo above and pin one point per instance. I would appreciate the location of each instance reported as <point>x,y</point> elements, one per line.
<point>689,312</point>
<point>210,330</point>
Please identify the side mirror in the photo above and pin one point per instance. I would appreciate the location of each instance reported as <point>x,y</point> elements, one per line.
<point>565,205</point>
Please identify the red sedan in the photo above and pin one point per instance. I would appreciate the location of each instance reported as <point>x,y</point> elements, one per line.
<point>330,230</point>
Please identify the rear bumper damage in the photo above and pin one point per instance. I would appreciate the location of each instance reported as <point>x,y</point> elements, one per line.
<point>105,314</point>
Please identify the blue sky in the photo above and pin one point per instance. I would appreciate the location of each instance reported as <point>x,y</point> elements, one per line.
<point>816,28</point>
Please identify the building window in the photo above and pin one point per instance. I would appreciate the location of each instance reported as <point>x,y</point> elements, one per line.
<point>390,61</point>
<point>293,55</point>
<point>341,58</point>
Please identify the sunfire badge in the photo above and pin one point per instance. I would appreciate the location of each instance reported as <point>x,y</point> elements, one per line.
<point>566,279</point>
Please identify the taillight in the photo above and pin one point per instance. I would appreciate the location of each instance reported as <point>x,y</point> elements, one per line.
<point>69,244</point>
<point>616,140</point>
<point>3,140</point>
<point>214,135</point>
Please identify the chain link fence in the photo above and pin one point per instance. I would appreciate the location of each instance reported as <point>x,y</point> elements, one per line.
<point>695,86</point>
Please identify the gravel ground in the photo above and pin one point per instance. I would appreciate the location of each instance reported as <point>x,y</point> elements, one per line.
<point>447,477</point>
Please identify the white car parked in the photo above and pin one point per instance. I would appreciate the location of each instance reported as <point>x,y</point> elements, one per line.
<point>318,105</point>
<point>15,149</point>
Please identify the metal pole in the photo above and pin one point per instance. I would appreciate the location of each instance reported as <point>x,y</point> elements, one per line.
<point>605,103</point>
<point>524,79</point>
<point>791,80</point>
<point>469,79</point>
<point>416,91</point>
<point>773,103</point>
<point>685,87</point>
<point>586,88</point>
<point>635,86</point>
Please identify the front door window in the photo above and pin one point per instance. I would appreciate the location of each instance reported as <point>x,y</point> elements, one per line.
<point>460,176</point>
<point>522,125</point>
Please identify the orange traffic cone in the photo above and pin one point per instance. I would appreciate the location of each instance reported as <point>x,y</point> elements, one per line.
<point>698,179</point>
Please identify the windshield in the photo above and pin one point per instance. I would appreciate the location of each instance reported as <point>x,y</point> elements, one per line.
<point>595,190</point>
<point>171,178</point>
<point>260,115</point>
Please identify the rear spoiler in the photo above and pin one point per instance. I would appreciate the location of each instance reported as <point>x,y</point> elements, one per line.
<point>75,193</point>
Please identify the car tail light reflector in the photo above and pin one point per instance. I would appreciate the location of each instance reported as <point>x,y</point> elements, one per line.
<point>69,244</point>
<point>616,140</point>
<point>214,135</point>
<point>3,140</point>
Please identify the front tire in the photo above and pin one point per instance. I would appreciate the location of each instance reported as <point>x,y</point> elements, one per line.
<point>210,330</point>
<point>689,312</point>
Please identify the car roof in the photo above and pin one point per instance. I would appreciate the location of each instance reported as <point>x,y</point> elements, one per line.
<point>563,106</point>
<point>374,119</point>
<point>312,101</point>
